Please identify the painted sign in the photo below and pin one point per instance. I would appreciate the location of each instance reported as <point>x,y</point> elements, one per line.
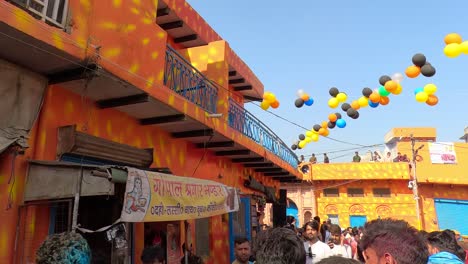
<point>152,197</point>
<point>442,153</point>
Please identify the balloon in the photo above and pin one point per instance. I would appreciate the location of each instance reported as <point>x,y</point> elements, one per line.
<point>309,133</point>
<point>373,105</point>
<point>305,97</point>
<point>383,79</point>
<point>430,89</point>
<point>453,38</point>
<point>345,107</point>
<point>324,124</point>
<point>341,97</point>
<point>332,117</point>
<point>266,94</point>
<point>308,139</point>
<point>341,123</point>
<point>333,102</point>
<point>321,131</point>
<point>315,137</point>
<point>412,71</point>
<point>391,86</point>
<point>464,47</point>
<point>355,116</point>
<point>355,105</point>
<point>309,102</point>
<point>265,105</point>
<point>363,101</point>
<point>317,127</point>
<point>351,112</point>
<point>419,59</point>
<point>374,97</point>
<point>331,124</point>
<point>367,91</point>
<point>384,100</point>
<point>398,90</point>
<point>275,104</point>
<point>427,70</point>
<point>338,115</point>
<point>432,100</point>
<point>294,147</point>
<point>302,144</point>
<point>326,133</point>
<point>334,91</point>
<point>422,97</point>
<point>383,92</point>
<point>453,50</point>
<point>301,137</point>
<point>299,102</point>
<point>300,92</point>
<point>418,90</point>
<point>397,77</point>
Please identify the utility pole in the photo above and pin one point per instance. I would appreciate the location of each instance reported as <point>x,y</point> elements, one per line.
<point>414,183</point>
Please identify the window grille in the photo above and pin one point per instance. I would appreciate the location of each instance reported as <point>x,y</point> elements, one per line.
<point>53,12</point>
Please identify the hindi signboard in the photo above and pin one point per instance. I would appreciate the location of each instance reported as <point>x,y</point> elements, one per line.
<point>152,197</point>
<point>442,153</point>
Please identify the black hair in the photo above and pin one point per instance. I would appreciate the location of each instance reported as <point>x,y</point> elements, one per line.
<point>279,246</point>
<point>313,224</point>
<point>334,229</point>
<point>397,238</point>
<point>338,260</point>
<point>446,241</point>
<point>151,254</point>
<point>317,218</point>
<point>240,240</point>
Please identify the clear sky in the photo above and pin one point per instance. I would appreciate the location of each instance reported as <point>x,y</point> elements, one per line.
<point>315,45</point>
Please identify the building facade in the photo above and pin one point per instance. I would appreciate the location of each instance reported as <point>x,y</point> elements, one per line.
<point>147,84</point>
<point>430,193</point>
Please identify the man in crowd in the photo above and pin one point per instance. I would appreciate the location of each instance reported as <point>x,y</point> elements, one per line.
<point>242,251</point>
<point>335,243</point>
<point>356,157</point>
<point>279,246</point>
<point>314,248</point>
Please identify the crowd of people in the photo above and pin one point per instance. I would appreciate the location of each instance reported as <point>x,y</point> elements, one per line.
<point>372,157</point>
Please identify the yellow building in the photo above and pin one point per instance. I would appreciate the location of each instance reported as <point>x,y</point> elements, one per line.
<point>431,195</point>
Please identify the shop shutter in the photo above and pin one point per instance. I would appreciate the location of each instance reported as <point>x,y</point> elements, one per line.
<point>451,214</point>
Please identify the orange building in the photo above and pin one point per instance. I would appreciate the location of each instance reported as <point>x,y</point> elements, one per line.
<point>431,195</point>
<point>146,84</point>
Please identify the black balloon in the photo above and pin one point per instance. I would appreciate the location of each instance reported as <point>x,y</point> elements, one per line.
<point>299,102</point>
<point>294,147</point>
<point>351,112</point>
<point>334,91</point>
<point>368,91</point>
<point>345,106</point>
<point>383,79</point>
<point>301,137</point>
<point>299,147</point>
<point>419,59</point>
<point>355,116</point>
<point>338,115</point>
<point>317,127</point>
<point>427,70</point>
<point>331,124</point>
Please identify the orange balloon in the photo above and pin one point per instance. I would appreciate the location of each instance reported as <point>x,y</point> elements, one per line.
<point>332,117</point>
<point>390,86</point>
<point>324,124</point>
<point>305,97</point>
<point>384,100</point>
<point>412,71</point>
<point>432,100</point>
<point>355,105</point>
<point>453,38</point>
<point>321,131</point>
<point>326,133</point>
<point>275,104</point>
<point>375,96</point>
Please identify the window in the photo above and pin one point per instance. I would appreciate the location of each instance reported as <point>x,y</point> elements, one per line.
<point>60,220</point>
<point>53,12</point>
<point>355,192</point>
<point>381,192</point>
<point>331,192</point>
<point>202,237</point>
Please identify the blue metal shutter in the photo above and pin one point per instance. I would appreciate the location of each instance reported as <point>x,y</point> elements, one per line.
<point>451,214</point>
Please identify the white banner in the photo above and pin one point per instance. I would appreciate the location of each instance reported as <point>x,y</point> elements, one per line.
<point>442,153</point>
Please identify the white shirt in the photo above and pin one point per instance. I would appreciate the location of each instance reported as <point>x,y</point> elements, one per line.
<point>319,251</point>
<point>341,250</point>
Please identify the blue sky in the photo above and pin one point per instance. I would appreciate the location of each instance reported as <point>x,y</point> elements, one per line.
<point>315,45</point>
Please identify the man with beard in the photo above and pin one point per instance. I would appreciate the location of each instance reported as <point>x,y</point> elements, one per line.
<point>336,244</point>
<point>315,249</point>
<point>242,251</point>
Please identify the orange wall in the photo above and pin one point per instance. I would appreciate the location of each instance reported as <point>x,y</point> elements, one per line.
<point>365,171</point>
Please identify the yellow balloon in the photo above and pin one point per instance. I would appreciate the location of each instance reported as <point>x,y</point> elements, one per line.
<point>270,98</point>
<point>363,101</point>
<point>309,133</point>
<point>422,97</point>
<point>333,102</point>
<point>265,105</point>
<point>398,90</point>
<point>430,89</point>
<point>308,139</point>
<point>341,97</point>
<point>464,47</point>
<point>302,143</point>
<point>453,50</point>
<point>315,137</point>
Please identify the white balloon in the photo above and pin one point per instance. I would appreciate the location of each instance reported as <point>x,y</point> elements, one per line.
<point>300,92</point>
<point>397,77</point>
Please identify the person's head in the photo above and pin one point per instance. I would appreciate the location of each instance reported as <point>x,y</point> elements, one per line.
<point>64,248</point>
<point>153,255</point>
<point>338,260</point>
<point>290,219</point>
<point>313,154</point>
<point>439,241</point>
<point>389,154</point>
<point>457,235</point>
<point>242,249</point>
<point>302,157</point>
<point>392,241</point>
<point>335,234</point>
<point>279,246</point>
<point>399,154</point>
<point>357,153</point>
<point>317,218</point>
<point>311,230</point>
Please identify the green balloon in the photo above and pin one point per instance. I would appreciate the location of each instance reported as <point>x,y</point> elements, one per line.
<point>383,92</point>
